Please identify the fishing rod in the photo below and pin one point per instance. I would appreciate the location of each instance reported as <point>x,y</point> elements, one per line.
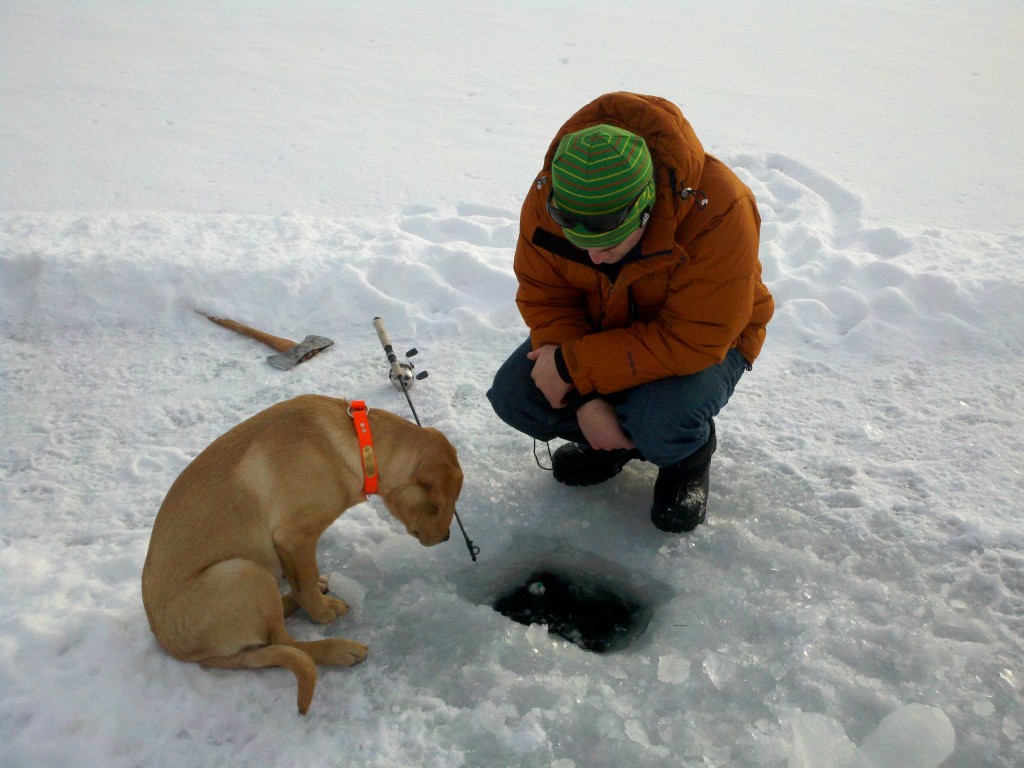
<point>402,378</point>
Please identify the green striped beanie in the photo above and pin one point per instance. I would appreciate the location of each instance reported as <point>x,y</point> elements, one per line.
<point>601,170</point>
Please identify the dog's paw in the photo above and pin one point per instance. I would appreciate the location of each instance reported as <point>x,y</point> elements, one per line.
<point>290,604</point>
<point>343,653</point>
<point>330,608</point>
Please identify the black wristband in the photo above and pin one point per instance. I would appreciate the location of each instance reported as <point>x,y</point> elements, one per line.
<point>577,401</point>
<point>561,367</point>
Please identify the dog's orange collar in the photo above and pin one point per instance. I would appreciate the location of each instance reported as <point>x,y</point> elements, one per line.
<point>357,410</point>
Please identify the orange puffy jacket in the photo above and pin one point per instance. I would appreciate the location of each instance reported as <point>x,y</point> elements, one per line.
<point>695,293</point>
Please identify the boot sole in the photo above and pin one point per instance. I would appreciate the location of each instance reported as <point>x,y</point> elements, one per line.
<point>669,522</point>
<point>585,483</point>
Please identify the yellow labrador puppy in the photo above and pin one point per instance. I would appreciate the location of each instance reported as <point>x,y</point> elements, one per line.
<point>250,509</point>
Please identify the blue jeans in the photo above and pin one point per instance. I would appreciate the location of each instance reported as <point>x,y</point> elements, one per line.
<point>667,419</point>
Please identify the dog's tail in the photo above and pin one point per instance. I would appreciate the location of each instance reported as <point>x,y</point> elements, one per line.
<point>299,662</point>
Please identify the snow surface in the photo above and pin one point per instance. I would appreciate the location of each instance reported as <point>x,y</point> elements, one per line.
<point>857,596</point>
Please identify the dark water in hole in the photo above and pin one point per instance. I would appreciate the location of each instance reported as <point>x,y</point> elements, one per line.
<point>589,615</point>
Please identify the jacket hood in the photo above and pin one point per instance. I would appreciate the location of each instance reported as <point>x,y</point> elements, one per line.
<point>677,153</point>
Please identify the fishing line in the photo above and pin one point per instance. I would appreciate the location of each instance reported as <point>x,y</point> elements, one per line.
<point>402,378</point>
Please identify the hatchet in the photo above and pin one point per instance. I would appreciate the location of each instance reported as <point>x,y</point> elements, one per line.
<point>289,353</point>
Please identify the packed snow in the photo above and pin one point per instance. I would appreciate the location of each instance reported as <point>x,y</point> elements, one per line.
<point>856,599</point>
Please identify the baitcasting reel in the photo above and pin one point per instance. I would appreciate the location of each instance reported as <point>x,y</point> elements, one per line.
<point>400,375</point>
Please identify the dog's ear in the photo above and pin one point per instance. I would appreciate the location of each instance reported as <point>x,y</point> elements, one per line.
<point>425,501</point>
<point>414,506</point>
<point>439,472</point>
<point>427,504</point>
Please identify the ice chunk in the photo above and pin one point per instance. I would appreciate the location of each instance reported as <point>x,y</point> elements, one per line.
<point>673,669</point>
<point>913,736</point>
<point>720,668</point>
<point>1011,728</point>
<point>821,742</point>
<point>635,731</point>
<point>348,589</point>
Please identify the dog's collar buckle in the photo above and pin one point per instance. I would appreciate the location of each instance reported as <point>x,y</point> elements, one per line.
<point>358,411</point>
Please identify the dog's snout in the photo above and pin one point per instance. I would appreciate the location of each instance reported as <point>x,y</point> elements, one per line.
<point>430,538</point>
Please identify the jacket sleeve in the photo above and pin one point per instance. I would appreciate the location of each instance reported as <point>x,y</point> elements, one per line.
<point>709,302</point>
<point>554,308</point>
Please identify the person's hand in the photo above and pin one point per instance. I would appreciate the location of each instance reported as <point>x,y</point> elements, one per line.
<point>600,426</point>
<point>545,375</point>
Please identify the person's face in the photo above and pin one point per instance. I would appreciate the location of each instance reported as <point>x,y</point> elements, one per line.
<point>616,252</point>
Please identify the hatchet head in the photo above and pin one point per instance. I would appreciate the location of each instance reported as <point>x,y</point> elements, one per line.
<point>305,349</point>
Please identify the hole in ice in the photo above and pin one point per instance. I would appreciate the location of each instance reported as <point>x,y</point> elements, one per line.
<point>593,616</point>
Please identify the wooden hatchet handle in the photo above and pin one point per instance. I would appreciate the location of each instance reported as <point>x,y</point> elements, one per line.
<point>274,342</point>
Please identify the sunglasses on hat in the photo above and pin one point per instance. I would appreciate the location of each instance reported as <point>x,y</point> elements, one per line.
<point>598,223</point>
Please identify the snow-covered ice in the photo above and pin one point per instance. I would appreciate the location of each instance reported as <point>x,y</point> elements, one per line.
<point>857,596</point>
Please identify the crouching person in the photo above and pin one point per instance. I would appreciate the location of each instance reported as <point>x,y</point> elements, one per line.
<point>639,280</point>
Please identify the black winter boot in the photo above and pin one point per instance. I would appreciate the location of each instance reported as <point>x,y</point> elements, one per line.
<point>681,491</point>
<point>579,464</point>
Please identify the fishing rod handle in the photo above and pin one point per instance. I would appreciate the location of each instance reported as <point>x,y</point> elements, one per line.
<point>401,373</point>
<point>382,334</point>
